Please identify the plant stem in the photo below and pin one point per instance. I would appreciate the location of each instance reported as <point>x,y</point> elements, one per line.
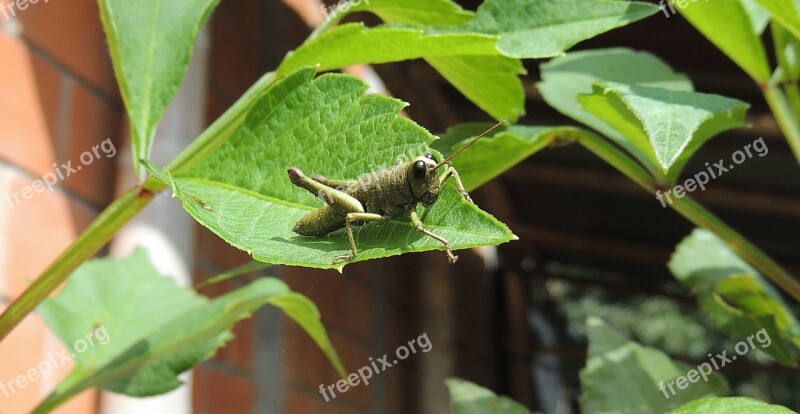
<point>695,213</point>
<point>698,215</point>
<point>93,239</point>
<point>617,159</point>
<point>784,115</point>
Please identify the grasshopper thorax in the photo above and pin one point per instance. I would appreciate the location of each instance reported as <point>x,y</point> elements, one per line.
<point>423,179</point>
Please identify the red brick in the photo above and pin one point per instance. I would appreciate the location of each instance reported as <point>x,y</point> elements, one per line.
<point>239,351</point>
<point>48,86</point>
<point>232,25</point>
<point>305,364</point>
<point>92,121</point>
<point>30,344</point>
<point>303,403</point>
<point>221,392</point>
<point>26,252</point>
<point>354,355</point>
<point>359,312</point>
<point>326,288</point>
<point>218,251</point>
<point>72,33</point>
<point>24,139</point>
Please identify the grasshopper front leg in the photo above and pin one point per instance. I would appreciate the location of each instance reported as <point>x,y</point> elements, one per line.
<point>420,228</point>
<point>451,172</point>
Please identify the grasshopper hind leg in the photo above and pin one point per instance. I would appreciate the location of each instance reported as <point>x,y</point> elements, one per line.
<point>351,218</point>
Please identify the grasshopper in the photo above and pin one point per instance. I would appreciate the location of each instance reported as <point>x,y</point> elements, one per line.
<point>393,191</point>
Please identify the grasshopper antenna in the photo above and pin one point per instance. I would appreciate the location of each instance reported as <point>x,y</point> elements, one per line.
<point>485,133</point>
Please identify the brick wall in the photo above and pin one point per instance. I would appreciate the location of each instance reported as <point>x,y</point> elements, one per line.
<point>58,98</point>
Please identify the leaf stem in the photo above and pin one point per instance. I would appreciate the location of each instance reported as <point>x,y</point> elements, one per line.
<point>698,215</point>
<point>92,240</point>
<point>617,159</point>
<point>783,114</point>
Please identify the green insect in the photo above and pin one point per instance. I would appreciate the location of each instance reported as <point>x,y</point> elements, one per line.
<point>389,193</point>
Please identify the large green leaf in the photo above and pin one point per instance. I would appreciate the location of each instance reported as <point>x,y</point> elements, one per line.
<point>547,28</point>
<point>787,12</point>
<point>730,405</point>
<point>469,398</point>
<point>146,330</point>
<point>491,82</point>
<point>353,43</point>
<point>729,25</point>
<point>433,12</point>
<point>566,78</point>
<point>241,191</point>
<point>622,376</point>
<point>151,42</point>
<point>665,126</point>
<point>502,149</point>
<point>738,300</point>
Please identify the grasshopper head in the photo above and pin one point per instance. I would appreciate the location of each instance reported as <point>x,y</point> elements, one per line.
<point>423,180</point>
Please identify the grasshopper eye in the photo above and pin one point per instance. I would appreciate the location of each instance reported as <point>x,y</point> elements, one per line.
<point>420,169</point>
<point>431,157</point>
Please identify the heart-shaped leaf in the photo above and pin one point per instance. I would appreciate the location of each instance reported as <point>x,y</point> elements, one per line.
<point>158,329</point>
<point>564,79</point>
<point>665,126</point>
<point>151,42</point>
<point>240,190</point>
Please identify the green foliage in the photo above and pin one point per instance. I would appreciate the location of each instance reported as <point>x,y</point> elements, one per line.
<point>730,405</point>
<point>334,49</point>
<point>738,300</point>
<point>664,125</point>
<point>325,126</point>
<point>151,42</point>
<point>546,28</point>
<point>469,398</point>
<point>640,103</point>
<point>154,329</point>
<point>622,376</point>
<point>786,12</point>
<point>734,28</point>
<point>478,53</point>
